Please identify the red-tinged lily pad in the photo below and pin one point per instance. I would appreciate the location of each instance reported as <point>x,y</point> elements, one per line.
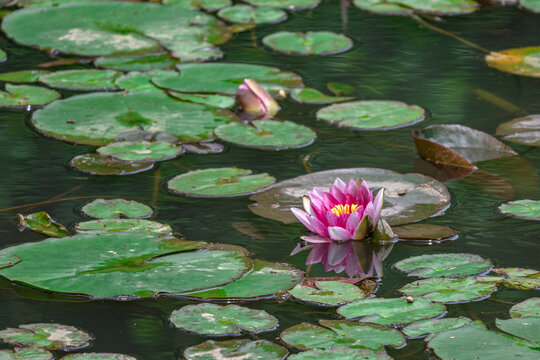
<point>522,209</point>
<point>9,260</point>
<point>524,130</point>
<point>443,265</point>
<point>235,350</point>
<point>520,61</point>
<point>458,145</point>
<point>46,336</point>
<point>95,164</point>
<point>527,308</point>
<point>424,232</point>
<point>308,43</point>
<point>42,223</point>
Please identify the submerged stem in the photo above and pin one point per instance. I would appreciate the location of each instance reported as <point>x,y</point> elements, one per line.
<point>51,201</point>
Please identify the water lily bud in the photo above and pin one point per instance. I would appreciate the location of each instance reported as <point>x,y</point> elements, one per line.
<point>255,101</point>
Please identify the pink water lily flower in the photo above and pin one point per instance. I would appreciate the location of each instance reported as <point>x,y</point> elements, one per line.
<point>346,212</point>
<point>255,101</point>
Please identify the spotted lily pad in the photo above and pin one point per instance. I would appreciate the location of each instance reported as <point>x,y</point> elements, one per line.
<point>448,290</point>
<point>400,7</point>
<point>371,115</point>
<point>532,5</point>
<point>341,354</point>
<point>9,260</point>
<point>219,182</point>
<point>522,209</point>
<point>219,101</point>
<point>527,308</point>
<point>246,14</point>
<point>524,130</point>
<point>431,327</point>
<point>26,354</point>
<point>286,4</point>
<point>447,265</point>
<point>313,96</point>
<point>160,61</point>
<point>327,293</point>
<point>230,320</point>
<point>21,96</point>
<point>520,61</point>
<point>42,223</point>
<point>124,265</point>
<point>141,81</point>
<point>23,76</point>
<point>407,197</point>
<point>210,5</point>
<point>525,328</point>
<point>46,336</point>
<point>429,232</point>
<point>95,164</point>
<point>82,80</point>
<point>141,150</point>
<point>267,135</point>
<point>341,334</point>
<point>309,43</point>
<point>122,225</point>
<point>96,119</point>
<point>395,311</point>
<point>521,279</point>
<point>458,145</point>
<point>97,356</point>
<point>116,209</point>
<point>235,349</point>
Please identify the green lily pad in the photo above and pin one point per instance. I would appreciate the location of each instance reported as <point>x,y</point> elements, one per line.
<point>95,164</point>
<point>219,182</point>
<point>209,5</point>
<point>401,7</point>
<point>266,280</point>
<point>225,78</point>
<point>122,225</point>
<point>123,265</point>
<point>204,148</point>
<point>313,96</point>
<point>42,223</point>
<point>522,209</point>
<point>431,327</point>
<point>22,96</point>
<point>116,209</point>
<point>141,150</point>
<point>340,89</point>
<point>145,135</point>
<point>532,5</point>
<point>235,349</point>
<point>430,232</point>
<point>46,336</point>
<point>448,290</point>
<point>81,80</point>
<point>407,197</point>
<point>327,293</point>
<point>195,51</point>
<point>473,342</point>
<point>341,354</point>
<point>23,76</point>
<point>525,328</point>
<point>245,14</point>
<point>527,308</point>
<point>161,61</point>
<point>447,265</point>
<point>219,101</point>
<point>286,4</point>
<point>141,81</point>
<point>308,43</point>
<point>267,135</point>
<point>516,272</point>
<point>341,334</point>
<point>520,61</point>
<point>9,260</point>
<point>520,279</point>
<point>371,115</point>
<point>395,311</point>
<point>3,55</point>
<point>97,356</point>
<point>26,354</point>
<point>113,28</point>
<point>230,320</point>
<point>524,130</point>
<point>96,119</point>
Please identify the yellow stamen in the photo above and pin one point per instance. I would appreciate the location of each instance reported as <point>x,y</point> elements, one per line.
<point>344,209</point>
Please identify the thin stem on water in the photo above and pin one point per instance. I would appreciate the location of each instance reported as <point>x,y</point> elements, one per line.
<point>155,190</point>
<point>62,194</point>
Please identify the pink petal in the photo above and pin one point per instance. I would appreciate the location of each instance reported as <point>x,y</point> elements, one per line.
<point>351,188</point>
<point>329,201</point>
<point>339,184</point>
<point>338,233</point>
<point>353,222</point>
<point>338,194</point>
<point>364,193</point>
<point>315,239</point>
<point>377,206</point>
<point>343,220</point>
<point>313,224</point>
<point>331,218</point>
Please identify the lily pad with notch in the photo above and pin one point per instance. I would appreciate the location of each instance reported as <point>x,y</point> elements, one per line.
<point>95,164</point>
<point>448,290</point>
<point>286,4</point>
<point>371,115</point>
<point>444,265</point>
<point>97,356</point>
<point>47,336</point>
<point>23,96</point>
<point>246,14</point>
<point>219,101</point>
<point>26,353</point>
<point>520,61</point>
<point>122,225</point>
<point>23,76</point>
<point>522,209</point>
<point>233,349</point>
<point>525,328</point>
<point>429,327</point>
<point>147,62</point>
<point>403,7</point>
<point>141,150</point>
<point>327,293</point>
<point>267,135</point>
<point>219,182</point>
<point>116,209</point>
<point>425,232</point>
<point>208,5</point>
<point>81,80</point>
<point>524,130</point>
<point>526,308</point>
<point>341,354</point>
<point>42,223</point>
<point>308,43</point>
<point>314,96</point>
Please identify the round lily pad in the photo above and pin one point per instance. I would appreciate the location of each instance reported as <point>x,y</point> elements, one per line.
<point>22,96</point>
<point>341,334</point>
<point>82,80</point>
<point>42,223</point>
<point>429,232</point>
<point>141,150</point>
<point>160,61</point>
<point>524,130</point>
<point>141,81</point>
<point>447,265</point>
<point>123,225</point>
<point>96,119</point>
<point>246,14</point>
<point>309,43</point>
<point>286,4</point>
<point>235,349</point>
<point>23,76</point>
<point>520,61</point>
<point>313,96</point>
<point>95,164</point>
<point>9,260</point>
<point>371,115</point>
<point>473,342</point>
<point>267,135</point>
<point>448,290</point>
<point>219,182</point>
<point>123,265</point>
<point>401,7</point>
<point>97,356</point>
<point>327,293</point>
<point>209,5</point>
<point>219,101</point>
<point>230,320</point>
<point>46,336</point>
<point>26,354</point>
<point>204,148</point>
<point>116,208</point>
<point>407,197</point>
<point>340,354</point>
<point>430,327</point>
<point>522,209</point>
<point>527,308</point>
<point>395,311</point>
<point>525,328</point>
<point>532,5</point>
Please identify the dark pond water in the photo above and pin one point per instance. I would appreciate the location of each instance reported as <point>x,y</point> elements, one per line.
<point>393,58</point>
